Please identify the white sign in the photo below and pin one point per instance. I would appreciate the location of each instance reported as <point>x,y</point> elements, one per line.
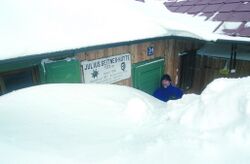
<point>107,70</point>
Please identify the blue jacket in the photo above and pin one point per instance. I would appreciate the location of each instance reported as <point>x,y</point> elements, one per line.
<point>169,93</point>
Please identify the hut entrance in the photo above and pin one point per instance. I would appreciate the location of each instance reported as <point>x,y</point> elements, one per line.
<point>187,70</point>
<point>147,75</point>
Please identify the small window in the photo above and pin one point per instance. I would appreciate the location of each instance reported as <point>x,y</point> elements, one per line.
<point>1,86</point>
<point>1,92</point>
<point>17,80</point>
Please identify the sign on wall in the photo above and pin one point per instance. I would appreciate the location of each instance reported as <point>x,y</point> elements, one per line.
<point>150,51</point>
<point>107,70</point>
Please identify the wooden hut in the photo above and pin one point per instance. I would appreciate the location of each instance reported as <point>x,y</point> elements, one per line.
<point>144,63</point>
<point>128,52</point>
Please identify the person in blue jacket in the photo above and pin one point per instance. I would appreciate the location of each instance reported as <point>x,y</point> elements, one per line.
<point>167,91</point>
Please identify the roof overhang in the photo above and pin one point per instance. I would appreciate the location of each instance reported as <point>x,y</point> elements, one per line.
<point>223,50</point>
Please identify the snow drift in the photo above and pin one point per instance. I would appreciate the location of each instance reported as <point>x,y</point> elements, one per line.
<point>79,123</point>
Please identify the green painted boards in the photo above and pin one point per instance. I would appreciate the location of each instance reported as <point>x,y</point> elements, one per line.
<point>147,75</point>
<point>62,71</point>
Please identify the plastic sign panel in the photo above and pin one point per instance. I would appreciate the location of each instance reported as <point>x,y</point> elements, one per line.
<point>107,70</point>
<point>150,51</point>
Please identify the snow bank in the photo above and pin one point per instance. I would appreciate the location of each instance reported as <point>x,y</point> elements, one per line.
<point>218,121</point>
<point>70,123</point>
<point>78,123</point>
<point>223,103</point>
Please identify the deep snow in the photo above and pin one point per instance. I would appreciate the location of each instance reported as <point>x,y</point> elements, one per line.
<point>90,123</point>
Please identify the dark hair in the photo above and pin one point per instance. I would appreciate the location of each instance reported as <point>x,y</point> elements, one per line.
<point>165,77</point>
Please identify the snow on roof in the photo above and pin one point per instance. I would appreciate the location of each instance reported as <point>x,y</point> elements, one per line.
<point>33,27</point>
<point>225,11</point>
<point>71,123</point>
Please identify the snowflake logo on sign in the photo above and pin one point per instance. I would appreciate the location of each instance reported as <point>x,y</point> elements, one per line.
<point>94,74</point>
